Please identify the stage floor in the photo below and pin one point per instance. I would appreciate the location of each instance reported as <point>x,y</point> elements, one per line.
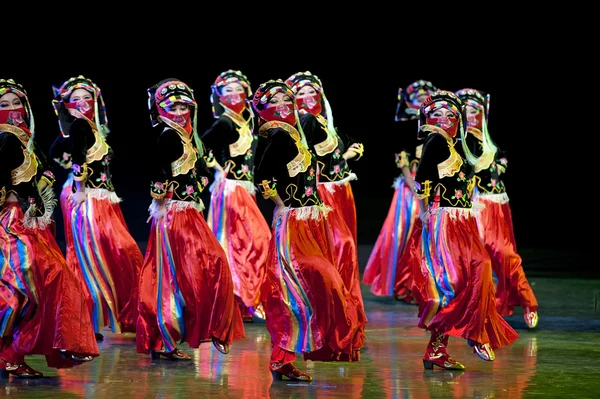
<point>560,358</point>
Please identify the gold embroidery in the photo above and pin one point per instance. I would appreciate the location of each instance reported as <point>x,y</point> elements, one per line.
<point>83,175</point>
<point>187,161</point>
<point>402,159</point>
<point>470,186</point>
<point>268,192</point>
<point>426,190</point>
<point>291,191</point>
<point>419,151</point>
<point>157,194</point>
<point>244,141</point>
<point>20,133</point>
<point>210,161</point>
<point>450,166</point>
<point>230,167</point>
<point>2,195</point>
<point>301,162</point>
<point>28,169</point>
<point>359,150</point>
<point>323,176</point>
<point>497,189</point>
<point>99,149</point>
<point>463,201</point>
<point>475,132</point>
<point>49,182</point>
<point>330,143</point>
<point>485,160</point>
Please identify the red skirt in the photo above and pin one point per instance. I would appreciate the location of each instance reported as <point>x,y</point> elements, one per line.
<point>341,194</point>
<point>389,269</point>
<point>344,244</point>
<point>244,234</point>
<point>42,304</point>
<point>102,252</point>
<point>453,285</point>
<point>495,226</point>
<point>308,307</point>
<point>186,289</point>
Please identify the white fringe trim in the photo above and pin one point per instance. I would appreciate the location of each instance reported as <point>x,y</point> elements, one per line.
<point>178,205</point>
<point>315,212</point>
<point>331,186</point>
<point>41,222</point>
<point>183,205</point>
<point>102,194</point>
<point>397,181</point>
<point>455,213</point>
<point>231,184</point>
<point>499,198</point>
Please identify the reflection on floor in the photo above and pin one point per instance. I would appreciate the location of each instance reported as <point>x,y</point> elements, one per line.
<point>561,358</point>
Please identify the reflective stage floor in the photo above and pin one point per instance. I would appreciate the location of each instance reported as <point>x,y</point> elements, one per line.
<point>560,358</point>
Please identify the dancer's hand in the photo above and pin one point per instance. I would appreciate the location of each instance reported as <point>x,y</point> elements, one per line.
<point>424,216</point>
<point>78,197</point>
<point>157,214</point>
<point>355,150</point>
<point>277,213</point>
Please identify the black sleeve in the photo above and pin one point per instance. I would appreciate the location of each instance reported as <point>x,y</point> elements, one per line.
<point>204,173</point>
<point>348,140</point>
<point>168,149</point>
<point>218,137</point>
<point>435,151</point>
<point>274,152</point>
<point>501,160</point>
<point>11,156</point>
<point>60,152</point>
<point>312,129</point>
<point>80,133</point>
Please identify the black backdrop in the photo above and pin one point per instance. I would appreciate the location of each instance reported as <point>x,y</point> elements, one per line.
<point>361,79</point>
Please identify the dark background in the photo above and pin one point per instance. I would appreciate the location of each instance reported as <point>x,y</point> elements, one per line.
<point>527,76</point>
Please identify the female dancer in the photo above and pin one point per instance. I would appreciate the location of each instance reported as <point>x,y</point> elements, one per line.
<point>186,288</point>
<point>233,215</point>
<point>308,307</point>
<point>99,245</point>
<point>453,283</point>
<point>42,304</point>
<point>334,175</point>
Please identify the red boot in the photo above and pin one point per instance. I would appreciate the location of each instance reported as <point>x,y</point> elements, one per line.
<point>436,354</point>
<point>18,370</point>
<point>288,370</point>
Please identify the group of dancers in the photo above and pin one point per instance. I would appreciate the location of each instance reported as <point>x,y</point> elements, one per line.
<point>446,245</point>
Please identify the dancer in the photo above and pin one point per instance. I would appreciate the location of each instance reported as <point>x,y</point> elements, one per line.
<point>100,247</point>
<point>453,283</point>
<point>495,218</point>
<point>42,304</point>
<point>308,307</point>
<point>186,288</point>
<point>233,215</point>
<point>334,176</point>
